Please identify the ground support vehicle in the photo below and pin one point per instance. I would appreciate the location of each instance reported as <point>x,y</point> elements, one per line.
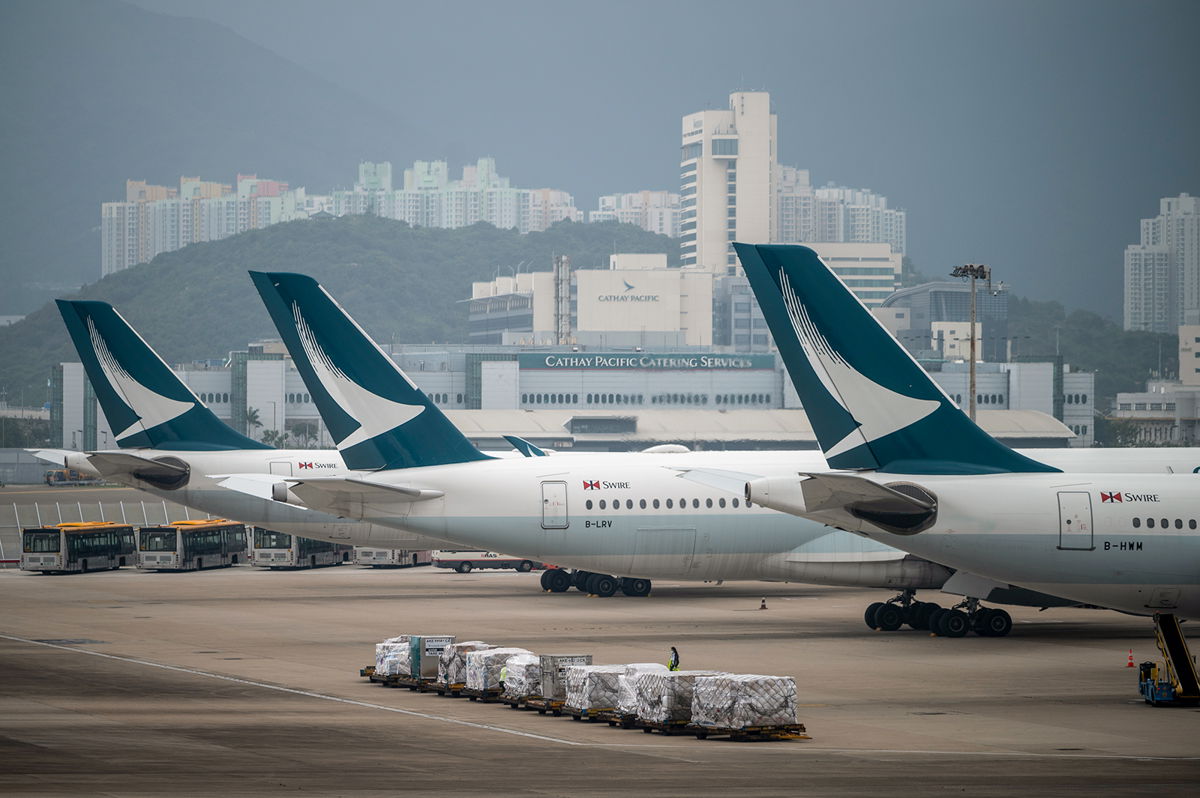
<point>1176,682</point>
<point>487,695</point>
<point>391,558</point>
<point>452,689</point>
<point>191,545</point>
<point>272,549</point>
<point>367,672</point>
<point>411,682</point>
<point>669,728</point>
<point>793,731</point>
<point>77,547</point>
<point>466,561</point>
<point>68,478</point>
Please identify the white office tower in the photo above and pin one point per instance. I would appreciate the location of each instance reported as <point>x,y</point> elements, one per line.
<point>728,172</point>
<point>1162,271</point>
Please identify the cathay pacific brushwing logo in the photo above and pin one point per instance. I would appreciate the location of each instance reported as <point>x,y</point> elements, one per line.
<point>877,410</point>
<point>375,414</point>
<point>151,408</point>
<point>628,285</point>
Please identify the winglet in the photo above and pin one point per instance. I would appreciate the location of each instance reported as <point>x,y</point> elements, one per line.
<point>378,416</point>
<point>145,402</point>
<point>871,405</point>
<point>525,447</point>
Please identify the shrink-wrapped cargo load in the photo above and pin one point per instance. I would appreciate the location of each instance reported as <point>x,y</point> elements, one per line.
<point>554,674</point>
<point>627,700</point>
<point>392,656</point>
<point>738,701</point>
<point>592,687</point>
<point>452,665</point>
<point>483,667</point>
<point>523,676</point>
<point>666,698</point>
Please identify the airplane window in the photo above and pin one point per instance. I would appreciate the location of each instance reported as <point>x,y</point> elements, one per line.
<point>670,504</point>
<point>225,398</point>
<point>708,503</point>
<point>1137,522</point>
<point>458,395</point>
<point>642,504</point>
<point>735,503</point>
<point>721,503</point>
<point>656,504</point>
<point>682,503</point>
<point>616,504</point>
<point>1150,523</point>
<point>588,505</point>
<point>1165,523</point>
<point>1179,523</point>
<point>696,504</point>
<point>1192,523</point>
<point>603,505</point>
<point>524,398</point>
<point>629,504</point>
<point>306,398</point>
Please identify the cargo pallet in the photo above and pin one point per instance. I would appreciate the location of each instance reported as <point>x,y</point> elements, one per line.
<point>792,731</point>
<point>619,719</point>
<point>543,705</point>
<point>486,695</point>
<point>367,671</point>
<point>453,689</point>
<point>588,714</point>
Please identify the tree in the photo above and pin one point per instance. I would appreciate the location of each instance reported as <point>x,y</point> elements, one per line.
<point>273,437</point>
<point>252,419</point>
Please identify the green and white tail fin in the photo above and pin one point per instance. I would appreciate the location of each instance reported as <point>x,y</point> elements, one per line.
<point>870,403</point>
<point>145,402</point>
<point>378,416</point>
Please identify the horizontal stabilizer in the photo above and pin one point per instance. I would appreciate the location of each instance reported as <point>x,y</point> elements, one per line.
<point>116,464</point>
<point>340,495</point>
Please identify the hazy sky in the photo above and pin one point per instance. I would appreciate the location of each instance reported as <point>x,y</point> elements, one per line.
<point>1028,135</point>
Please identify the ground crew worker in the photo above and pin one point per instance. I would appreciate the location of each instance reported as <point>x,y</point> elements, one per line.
<point>503,674</point>
<point>673,660</point>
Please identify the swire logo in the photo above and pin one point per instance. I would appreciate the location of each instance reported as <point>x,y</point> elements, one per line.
<point>305,465</point>
<point>1109,497</point>
<point>592,485</point>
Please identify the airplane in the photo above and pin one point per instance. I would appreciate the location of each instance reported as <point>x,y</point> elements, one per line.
<point>168,440</point>
<point>603,514</point>
<point>906,467</point>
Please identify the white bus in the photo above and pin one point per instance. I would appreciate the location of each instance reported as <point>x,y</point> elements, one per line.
<point>391,558</point>
<point>77,546</point>
<point>191,545</point>
<point>467,561</point>
<point>272,549</point>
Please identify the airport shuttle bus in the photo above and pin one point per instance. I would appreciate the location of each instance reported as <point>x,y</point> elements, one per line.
<point>191,545</point>
<point>467,561</point>
<point>391,558</point>
<point>280,550</point>
<point>77,547</point>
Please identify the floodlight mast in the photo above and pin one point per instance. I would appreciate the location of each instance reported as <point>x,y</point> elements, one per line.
<point>973,272</point>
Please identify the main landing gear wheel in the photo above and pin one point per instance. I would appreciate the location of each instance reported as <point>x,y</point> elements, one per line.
<point>953,623</point>
<point>917,615</point>
<point>556,580</point>
<point>635,587</point>
<point>869,615</point>
<point>579,580</point>
<point>602,585</point>
<point>889,618</point>
<point>992,623</point>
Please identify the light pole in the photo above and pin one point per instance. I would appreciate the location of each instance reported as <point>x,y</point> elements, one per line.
<point>973,272</point>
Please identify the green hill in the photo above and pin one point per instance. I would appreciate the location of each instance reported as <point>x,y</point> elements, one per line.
<point>402,283</point>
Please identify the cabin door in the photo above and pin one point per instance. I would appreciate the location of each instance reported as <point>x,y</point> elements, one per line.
<point>554,505</point>
<point>1075,520</point>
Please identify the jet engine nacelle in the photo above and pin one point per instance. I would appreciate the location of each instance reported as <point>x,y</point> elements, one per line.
<point>777,493</point>
<point>78,461</point>
<point>282,493</point>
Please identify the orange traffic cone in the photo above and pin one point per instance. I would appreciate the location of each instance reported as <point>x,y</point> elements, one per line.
<point>1130,664</point>
<point>763,605</point>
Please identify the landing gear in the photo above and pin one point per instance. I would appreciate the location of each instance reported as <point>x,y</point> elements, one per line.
<point>635,587</point>
<point>557,580</point>
<point>602,585</point>
<point>956,621</point>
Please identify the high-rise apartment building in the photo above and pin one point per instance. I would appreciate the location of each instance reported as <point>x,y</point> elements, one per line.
<point>656,211</point>
<point>157,219</point>
<point>429,198</point>
<point>728,172</point>
<point>836,214</point>
<point>1162,271</point>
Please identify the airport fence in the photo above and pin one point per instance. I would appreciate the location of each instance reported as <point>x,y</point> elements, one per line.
<point>15,517</point>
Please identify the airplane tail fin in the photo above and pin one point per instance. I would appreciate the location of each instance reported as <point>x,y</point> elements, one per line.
<point>377,415</point>
<point>145,403</point>
<point>871,404</point>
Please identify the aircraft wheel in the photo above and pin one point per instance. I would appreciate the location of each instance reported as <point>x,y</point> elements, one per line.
<point>558,581</point>
<point>580,580</point>
<point>889,618</point>
<point>954,623</point>
<point>869,615</point>
<point>635,587</point>
<point>602,585</point>
<point>915,613</point>
<point>933,621</point>
<point>545,582</point>
<point>996,623</point>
